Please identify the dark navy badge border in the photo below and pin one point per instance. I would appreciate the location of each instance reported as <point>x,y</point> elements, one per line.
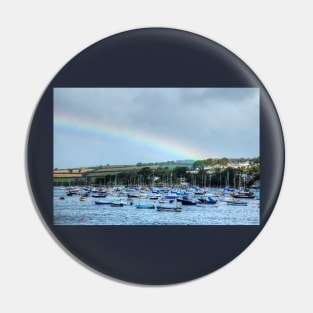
<point>154,57</point>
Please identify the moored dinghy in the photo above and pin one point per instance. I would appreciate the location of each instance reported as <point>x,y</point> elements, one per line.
<point>185,200</point>
<point>237,202</point>
<point>117,204</point>
<point>243,194</point>
<point>73,191</point>
<point>103,202</point>
<point>168,209</point>
<point>209,200</point>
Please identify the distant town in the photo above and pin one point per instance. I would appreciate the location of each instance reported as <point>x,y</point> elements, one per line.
<point>211,172</point>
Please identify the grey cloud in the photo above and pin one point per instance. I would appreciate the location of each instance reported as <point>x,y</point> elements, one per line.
<point>222,120</point>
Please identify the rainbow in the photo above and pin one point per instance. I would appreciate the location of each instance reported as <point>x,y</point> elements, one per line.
<point>154,145</point>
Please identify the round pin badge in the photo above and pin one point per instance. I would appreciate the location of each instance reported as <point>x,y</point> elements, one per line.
<point>155,156</point>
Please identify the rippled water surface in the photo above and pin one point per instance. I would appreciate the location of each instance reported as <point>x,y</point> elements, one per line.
<point>72,211</point>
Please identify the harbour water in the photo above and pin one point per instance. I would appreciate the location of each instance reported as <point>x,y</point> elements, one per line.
<point>72,211</point>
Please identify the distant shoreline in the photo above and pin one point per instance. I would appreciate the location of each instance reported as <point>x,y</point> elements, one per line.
<point>209,172</point>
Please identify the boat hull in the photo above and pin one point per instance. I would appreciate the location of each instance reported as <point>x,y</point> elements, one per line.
<point>160,209</point>
<point>117,204</point>
<point>243,196</point>
<point>237,203</point>
<point>102,202</point>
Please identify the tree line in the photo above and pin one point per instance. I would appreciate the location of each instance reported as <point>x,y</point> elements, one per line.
<point>183,175</point>
<point>203,173</point>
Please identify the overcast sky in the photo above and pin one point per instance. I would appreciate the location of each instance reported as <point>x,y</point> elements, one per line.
<point>99,126</point>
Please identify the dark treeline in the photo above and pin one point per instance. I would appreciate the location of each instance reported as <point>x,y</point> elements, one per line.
<point>180,175</point>
<point>221,172</point>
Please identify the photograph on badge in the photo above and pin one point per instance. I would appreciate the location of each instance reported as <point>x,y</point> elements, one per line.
<point>156,156</point>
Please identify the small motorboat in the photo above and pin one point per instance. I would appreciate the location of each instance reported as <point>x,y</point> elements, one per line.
<point>163,200</point>
<point>103,202</point>
<point>208,200</point>
<point>243,194</point>
<point>73,191</point>
<point>99,195</point>
<point>168,209</point>
<point>154,197</point>
<point>117,204</point>
<point>236,202</point>
<point>170,196</point>
<point>187,201</point>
